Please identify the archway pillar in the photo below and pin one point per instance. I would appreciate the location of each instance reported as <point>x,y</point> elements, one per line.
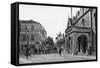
<point>74,45</point>
<point>89,44</point>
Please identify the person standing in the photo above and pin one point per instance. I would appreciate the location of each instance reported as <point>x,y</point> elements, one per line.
<point>60,50</point>
<point>27,54</point>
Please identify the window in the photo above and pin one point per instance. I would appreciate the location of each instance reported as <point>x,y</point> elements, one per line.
<point>32,27</point>
<point>74,18</point>
<point>95,18</point>
<point>32,37</point>
<point>95,15</point>
<point>37,42</point>
<point>83,22</point>
<point>23,27</point>
<point>83,10</point>
<point>78,13</point>
<point>22,37</point>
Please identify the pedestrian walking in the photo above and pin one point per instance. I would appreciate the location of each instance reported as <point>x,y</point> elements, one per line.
<point>60,50</point>
<point>27,54</point>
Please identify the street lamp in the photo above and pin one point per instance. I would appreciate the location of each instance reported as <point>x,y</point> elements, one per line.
<point>27,47</point>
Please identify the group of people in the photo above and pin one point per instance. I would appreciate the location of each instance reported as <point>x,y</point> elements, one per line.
<point>27,54</point>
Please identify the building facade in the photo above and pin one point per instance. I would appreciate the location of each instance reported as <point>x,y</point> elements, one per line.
<point>32,34</point>
<point>80,34</point>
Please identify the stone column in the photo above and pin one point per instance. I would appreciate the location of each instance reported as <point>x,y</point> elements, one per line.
<point>74,44</point>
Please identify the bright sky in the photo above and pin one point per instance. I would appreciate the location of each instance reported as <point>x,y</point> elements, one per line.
<point>52,18</point>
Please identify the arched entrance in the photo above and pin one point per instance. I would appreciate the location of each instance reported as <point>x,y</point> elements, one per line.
<point>82,44</point>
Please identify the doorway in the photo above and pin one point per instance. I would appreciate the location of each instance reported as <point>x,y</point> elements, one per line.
<point>82,44</point>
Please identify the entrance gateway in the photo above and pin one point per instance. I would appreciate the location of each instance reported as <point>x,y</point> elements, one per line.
<point>82,45</point>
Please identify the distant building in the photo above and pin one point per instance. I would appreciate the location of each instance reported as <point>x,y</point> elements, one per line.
<point>80,34</point>
<point>32,34</point>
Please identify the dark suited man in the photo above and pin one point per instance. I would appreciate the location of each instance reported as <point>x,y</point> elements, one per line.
<point>60,50</point>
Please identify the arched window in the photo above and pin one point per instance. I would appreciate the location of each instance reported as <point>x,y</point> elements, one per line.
<point>78,13</point>
<point>83,22</point>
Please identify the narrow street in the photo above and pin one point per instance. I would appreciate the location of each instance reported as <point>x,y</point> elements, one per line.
<point>52,58</point>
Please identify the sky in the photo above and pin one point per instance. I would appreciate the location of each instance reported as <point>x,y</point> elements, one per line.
<point>52,18</point>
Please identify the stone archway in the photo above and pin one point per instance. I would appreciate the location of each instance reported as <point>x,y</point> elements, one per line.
<point>82,44</point>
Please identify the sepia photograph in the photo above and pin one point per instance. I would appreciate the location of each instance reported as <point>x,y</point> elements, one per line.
<point>56,34</point>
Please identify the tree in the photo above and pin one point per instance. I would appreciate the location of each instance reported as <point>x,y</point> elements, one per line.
<point>50,41</point>
<point>60,39</point>
<point>48,44</point>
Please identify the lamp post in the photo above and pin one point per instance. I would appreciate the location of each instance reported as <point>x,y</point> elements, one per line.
<point>27,47</point>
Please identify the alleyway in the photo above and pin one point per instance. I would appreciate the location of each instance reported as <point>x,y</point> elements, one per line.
<point>52,58</point>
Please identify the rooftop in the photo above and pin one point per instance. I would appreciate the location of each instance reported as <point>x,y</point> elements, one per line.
<point>28,21</point>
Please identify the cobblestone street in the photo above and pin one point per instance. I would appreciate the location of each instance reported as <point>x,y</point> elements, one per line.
<point>52,58</point>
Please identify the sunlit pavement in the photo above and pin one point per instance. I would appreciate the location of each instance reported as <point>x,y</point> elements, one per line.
<point>52,58</point>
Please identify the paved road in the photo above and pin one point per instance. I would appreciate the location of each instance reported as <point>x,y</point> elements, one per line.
<point>52,58</point>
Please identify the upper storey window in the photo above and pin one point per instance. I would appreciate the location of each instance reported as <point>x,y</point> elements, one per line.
<point>32,27</point>
<point>83,22</point>
<point>23,28</point>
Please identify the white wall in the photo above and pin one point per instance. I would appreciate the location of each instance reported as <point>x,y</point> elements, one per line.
<point>5,33</point>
